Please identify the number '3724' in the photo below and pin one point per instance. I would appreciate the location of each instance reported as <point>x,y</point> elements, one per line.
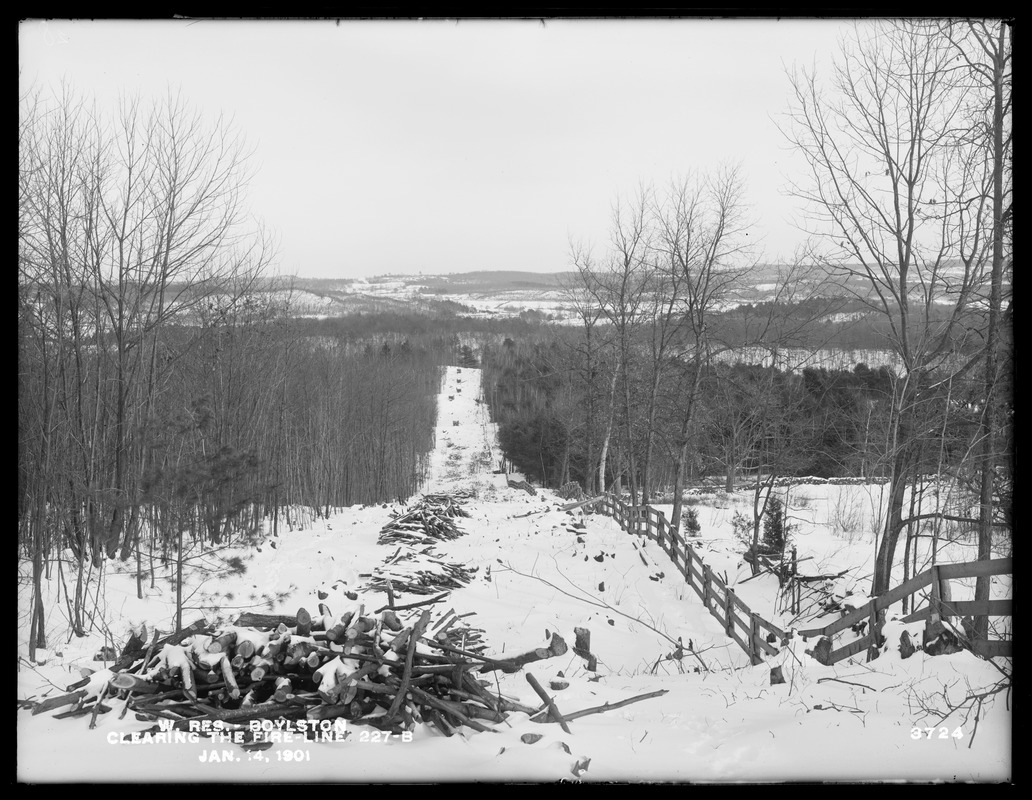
<point>936,733</point>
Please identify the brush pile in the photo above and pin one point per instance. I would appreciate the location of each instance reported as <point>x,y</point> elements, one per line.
<point>429,520</point>
<point>415,568</point>
<point>367,668</point>
<point>418,572</point>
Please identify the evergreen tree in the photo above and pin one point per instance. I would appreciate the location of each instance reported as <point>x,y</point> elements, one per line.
<point>774,531</point>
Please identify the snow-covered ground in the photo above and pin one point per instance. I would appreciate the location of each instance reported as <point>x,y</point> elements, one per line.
<point>538,573</point>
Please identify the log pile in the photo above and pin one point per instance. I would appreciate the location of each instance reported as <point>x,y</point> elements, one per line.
<point>419,573</point>
<point>414,568</point>
<point>429,520</point>
<point>371,668</point>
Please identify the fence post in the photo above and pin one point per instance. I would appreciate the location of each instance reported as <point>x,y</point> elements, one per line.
<point>935,600</point>
<point>729,596</point>
<point>872,625</point>
<point>754,638</point>
<point>795,587</point>
<point>688,555</point>
<point>705,585</point>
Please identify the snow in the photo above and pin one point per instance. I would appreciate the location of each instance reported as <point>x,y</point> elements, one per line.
<point>537,576</point>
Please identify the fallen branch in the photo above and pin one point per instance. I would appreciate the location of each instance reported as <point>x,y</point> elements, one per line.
<point>553,709</point>
<point>850,683</point>
<point>406,676</point>
<point>437,599</point>
<point>607,706</point>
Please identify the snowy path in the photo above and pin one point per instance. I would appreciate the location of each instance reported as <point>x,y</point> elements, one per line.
<point>540,572</point>
<point>467,449</point>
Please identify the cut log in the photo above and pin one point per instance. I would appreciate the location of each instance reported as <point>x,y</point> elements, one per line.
<point>126,659</point>
<point>906,645</point>
<point>260,667</point>
<point>553,709</point>
<point>303,622</point>
<point>582,647</point>
<point>417,631</point>
<point>391,621</point>
<point>232,689</point>
<point>57,702</point>
<point>557,647</point>
<point>822,650</point>
<point>81,711</point>
<point>78,684</point>
<point>265,621</point>
<point>126,681</point>
<point>137,641</point>
<point>222,643</point>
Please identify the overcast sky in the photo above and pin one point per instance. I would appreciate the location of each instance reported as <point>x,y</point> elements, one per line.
<point>447,147</point>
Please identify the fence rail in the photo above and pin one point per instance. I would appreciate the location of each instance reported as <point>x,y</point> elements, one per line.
<point>940,608</point>
<point>748,628</point>
<point>740,623</point>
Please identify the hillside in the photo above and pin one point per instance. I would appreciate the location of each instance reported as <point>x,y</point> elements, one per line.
<point>538,572</point>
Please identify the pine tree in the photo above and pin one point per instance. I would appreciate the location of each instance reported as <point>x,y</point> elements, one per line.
<point>691,522</point>
<point>774,526</point>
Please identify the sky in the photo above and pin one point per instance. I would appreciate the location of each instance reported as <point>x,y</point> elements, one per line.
<point>450,146</point>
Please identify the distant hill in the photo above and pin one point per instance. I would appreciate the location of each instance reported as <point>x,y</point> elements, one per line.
<point>481,282</point>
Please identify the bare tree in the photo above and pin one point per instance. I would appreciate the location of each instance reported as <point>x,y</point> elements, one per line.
<point>618,286</point>
<point>125,226</point>
<point>589,359</point>
<point>983,48</point>
<point>702,228</point>
<point>898,198</point>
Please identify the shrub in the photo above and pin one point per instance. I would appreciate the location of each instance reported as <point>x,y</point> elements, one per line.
<point>742,528</point>
<point>691,522</point>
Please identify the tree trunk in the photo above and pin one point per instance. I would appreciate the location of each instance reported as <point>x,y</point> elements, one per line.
<point>893,522</point>
<point>987,428</point>
<point>608,434</point>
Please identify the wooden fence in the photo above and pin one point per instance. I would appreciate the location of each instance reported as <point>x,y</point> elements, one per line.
<point>748,628</point>
<point>940,608</point>
<point>751,631</point>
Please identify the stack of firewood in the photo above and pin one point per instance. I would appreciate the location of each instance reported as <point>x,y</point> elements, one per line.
<point>372,668</point>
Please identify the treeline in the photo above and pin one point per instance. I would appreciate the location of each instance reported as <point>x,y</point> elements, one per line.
<point>835,322</point>
<point>442,325</point>
<point>750,419</point>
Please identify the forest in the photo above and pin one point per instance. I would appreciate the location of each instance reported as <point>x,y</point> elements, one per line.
<point>169,399</point>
